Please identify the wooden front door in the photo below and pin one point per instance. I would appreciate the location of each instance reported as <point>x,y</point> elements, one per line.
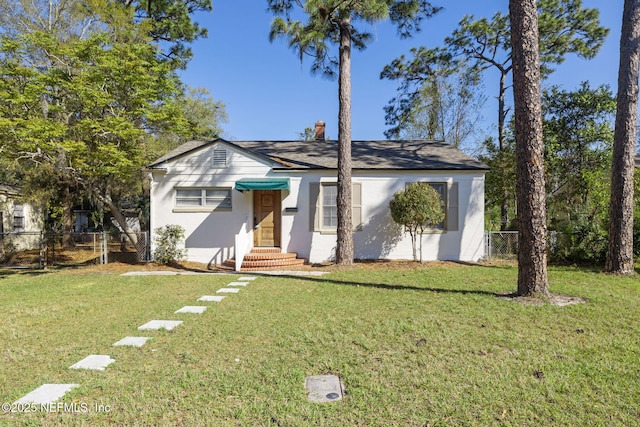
<point>266,218</point>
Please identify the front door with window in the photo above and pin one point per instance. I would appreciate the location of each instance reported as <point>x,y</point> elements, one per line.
<point>266,218</point>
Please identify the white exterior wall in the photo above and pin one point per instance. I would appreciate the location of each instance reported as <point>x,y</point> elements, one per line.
<point>210,235</point>
<point>26,238</point>
<point>380,237</point>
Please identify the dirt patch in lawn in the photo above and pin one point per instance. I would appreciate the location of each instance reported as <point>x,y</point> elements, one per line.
<point>552,299</point>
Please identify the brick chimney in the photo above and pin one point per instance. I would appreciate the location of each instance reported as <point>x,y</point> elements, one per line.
<point>320,130</point>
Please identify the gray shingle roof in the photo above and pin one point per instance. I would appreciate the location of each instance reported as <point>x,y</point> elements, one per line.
<point>370,154</point>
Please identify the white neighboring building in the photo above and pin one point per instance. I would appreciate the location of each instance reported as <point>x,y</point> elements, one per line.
<point>232,196</point>
<point>20,222</point>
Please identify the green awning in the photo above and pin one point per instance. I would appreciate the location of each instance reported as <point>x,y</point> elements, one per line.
<point>246,184</point>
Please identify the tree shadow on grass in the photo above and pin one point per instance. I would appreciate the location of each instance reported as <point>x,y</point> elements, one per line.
<point>385,286</point>
<point>6,272</point>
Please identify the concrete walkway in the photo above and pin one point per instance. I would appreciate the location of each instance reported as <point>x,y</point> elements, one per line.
<point>50,393</point>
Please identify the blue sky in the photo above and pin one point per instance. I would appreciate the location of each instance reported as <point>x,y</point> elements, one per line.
<point>269,94</point>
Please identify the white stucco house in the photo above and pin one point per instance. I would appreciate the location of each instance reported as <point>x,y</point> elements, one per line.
<point>20,221</point>
<point>235,196</point>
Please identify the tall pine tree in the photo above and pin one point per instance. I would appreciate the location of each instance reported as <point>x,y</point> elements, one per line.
<point>532,227</point>
<point>620,254</point>
<point>332,22</point>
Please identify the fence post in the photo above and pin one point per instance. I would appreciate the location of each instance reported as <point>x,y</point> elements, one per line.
<point>105,247</point>
<point>147,244</point>
<point>40,264</point>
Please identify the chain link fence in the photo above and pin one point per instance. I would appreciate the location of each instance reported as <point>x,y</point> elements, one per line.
<point>502,245</point>
<point>42,250</point>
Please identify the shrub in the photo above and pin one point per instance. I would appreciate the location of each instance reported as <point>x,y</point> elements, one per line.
<point>167,240</point>
<point>417,207</point>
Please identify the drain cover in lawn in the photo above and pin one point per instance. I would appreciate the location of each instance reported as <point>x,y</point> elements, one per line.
<point>323,388</point>
<point>228,291</point>
<point>46,393</point>
<point>160,324</point>
<point>96,362</point>
<point>213,298</point>
<point>132,341</point>
<point>194,309</point>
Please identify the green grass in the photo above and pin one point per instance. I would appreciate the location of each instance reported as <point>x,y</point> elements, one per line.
<point>420,347</point>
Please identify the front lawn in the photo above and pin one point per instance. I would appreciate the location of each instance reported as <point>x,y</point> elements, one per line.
<point>414,347</point>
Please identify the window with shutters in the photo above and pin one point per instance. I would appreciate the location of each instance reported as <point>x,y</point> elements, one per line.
<point>449,196</point>
<point>323,214</point>
<point>441,188</point>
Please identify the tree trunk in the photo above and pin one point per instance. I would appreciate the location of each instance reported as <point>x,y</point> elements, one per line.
<point>532,228</point>
<point>67,217</point>
<point>106,201</point>
<point>344,246</point>
<point>502,116</point>
<point>620,253</point>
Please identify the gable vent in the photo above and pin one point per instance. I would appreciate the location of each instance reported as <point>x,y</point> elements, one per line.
<point>219,158</point>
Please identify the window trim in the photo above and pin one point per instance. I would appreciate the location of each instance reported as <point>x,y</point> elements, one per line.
<point>316,207</point>
<point>19,223</point>
<point>323,227</point>
<point>202,207</point>
<point>451,204</point>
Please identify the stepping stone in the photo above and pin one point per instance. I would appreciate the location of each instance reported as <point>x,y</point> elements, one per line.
<point>238,284</point>
<point>160,324</point>
<point>228,291</point>
<point>46,393</point>
<point>194,309</point>
<point>213,298</point>
<point>132,341</point>
<point>96,362</point>
<point>323,388</point>
<point>247,278</point>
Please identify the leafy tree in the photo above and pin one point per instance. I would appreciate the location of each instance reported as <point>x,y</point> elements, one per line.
<point>65,19</point>
<point>485,44</point>
<point>530,187</point>
<point>445,105</point>
<point>500,180</point>
<point>202,117</point>
<point>87,114</point>
<point>418,208</point>
<point>578,138</point>
<point>53,44</point>
<point>620,254</point>
<point>308,134</point>
<point>332,22</point>
<point>168,23</point>
<point>171,25</point>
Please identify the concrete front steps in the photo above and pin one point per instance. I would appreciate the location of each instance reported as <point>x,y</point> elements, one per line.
<point>266,259</point>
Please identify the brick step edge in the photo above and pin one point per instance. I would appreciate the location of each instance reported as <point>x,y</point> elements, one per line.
<point>269,256</point>
<point>260,250</point>
<point>266,264</point>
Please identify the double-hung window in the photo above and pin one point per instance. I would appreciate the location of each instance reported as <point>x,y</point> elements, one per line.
<point>329,207</point>
<point>323,206</point>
